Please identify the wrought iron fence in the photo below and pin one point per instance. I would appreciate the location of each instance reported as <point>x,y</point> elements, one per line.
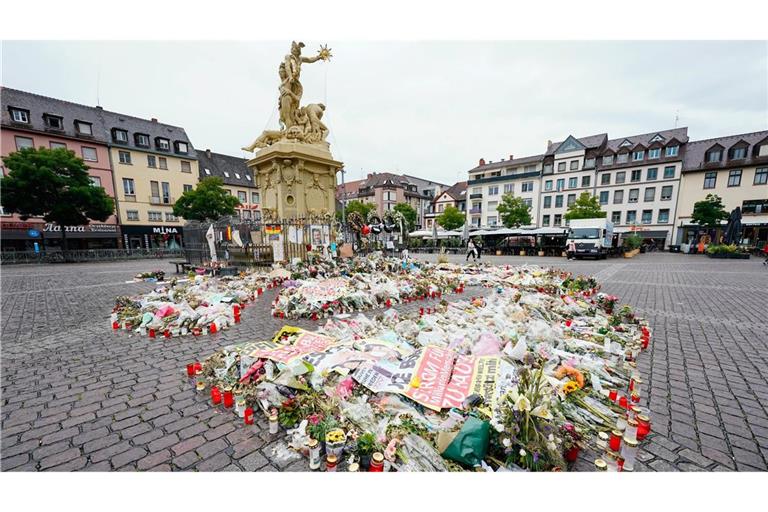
<point>85,255</point>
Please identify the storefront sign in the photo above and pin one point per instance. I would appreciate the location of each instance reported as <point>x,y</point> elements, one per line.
<point>86,228</point>
<point>33,233</point>
<point>161,230</point>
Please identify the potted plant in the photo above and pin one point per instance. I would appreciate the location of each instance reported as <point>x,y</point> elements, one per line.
<point>366,446</point>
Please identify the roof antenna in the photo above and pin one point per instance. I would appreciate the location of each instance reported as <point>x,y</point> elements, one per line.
<point>98,84</point>
<point>677,117</point>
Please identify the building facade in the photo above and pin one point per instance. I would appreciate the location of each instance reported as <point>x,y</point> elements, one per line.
<point>488,182</point>
<point>734,167</point>
<point>32,120</point>
<point>455,196</point>
<point>429,190</point>
<point>237,178</point>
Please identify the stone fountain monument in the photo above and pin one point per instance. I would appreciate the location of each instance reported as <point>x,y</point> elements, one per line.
<point>293,166</point>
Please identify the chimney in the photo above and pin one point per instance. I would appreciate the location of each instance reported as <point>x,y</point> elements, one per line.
<point>154,119</point>
<point>482,162</point>
<point>549,143</point>
<point>208,153</point>
<point>370,175</point>
<point>511,157</point>
<point>99,107</point>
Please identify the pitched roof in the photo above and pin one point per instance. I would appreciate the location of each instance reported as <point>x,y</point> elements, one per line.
<point>696,150</point>
<point>351,188</point>
<point>458,191</point>
<point>149,127</point>
<point>507,163</point>
<point>380,179</point>
<point>681,134</point>
<point>590,142</point>
<point>219,164</point>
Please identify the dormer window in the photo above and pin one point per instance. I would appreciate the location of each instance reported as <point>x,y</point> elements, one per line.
<point>53,122</point>
<point>162,144</point>
<point>226,174</point>
<point>237,175</point>
<point>622,158</point>
<point>671,150</point>
<point>714,155</point>
<point>607,159</point>
<point>638,155</point>
<point>738,153</point>
<point>84,128</point>
<point>207,171</point>
<point>657,138</point>
<point>19,115</point>
<point>141,139</point>
<point>654,153</point>
<point>248,177</point>
<point>119,136</point>
<point>181,147</point>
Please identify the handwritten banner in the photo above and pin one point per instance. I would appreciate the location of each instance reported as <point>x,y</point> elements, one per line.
<point>306,343</point>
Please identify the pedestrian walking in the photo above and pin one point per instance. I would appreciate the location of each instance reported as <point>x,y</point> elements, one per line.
<point>571,250</point>
<point>479,249</point>
<point>471,250</point>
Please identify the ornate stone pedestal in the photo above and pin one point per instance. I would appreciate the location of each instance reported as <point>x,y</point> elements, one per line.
<point>295,179</point>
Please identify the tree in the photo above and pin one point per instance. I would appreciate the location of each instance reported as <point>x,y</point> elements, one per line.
<point>514,211</point>
<point>208,201</point>
<point>451,218</point>
<point>357,206</point>
<point>409,213</point>
<point>585,207</point>
<point>709,212</point>
<point>53,184</point>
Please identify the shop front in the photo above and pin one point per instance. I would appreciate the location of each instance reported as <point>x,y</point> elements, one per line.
<point>658,238</point>
<point>39,236</point>
<point>152,237</point>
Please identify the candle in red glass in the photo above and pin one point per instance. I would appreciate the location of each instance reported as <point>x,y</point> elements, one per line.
<point>421,311</point>
<point>215,395</point>
<point>568,322</point>
<point>191,370</point>
<point>167,333</point>
<point>615,442</point>
<point>151,333</point>
<point>623,402</point>
<point>229,399</point>
<point>389,303</point>
<point>236,310</point>
<point>213,328</point>
<point>198,366</point>
<point>115,325</point>
<point>643,426</point>
<point>612,395</point>
<point>248,417</point>
<point>237,318</point>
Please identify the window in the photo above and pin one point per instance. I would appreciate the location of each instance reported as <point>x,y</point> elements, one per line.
<point>84,128</point>
<point>155,216</point>
<point>734,178</point>
<point>755,206</point>
<point>631,217</point>
<point>154,190</point>
<point>585,181</point>
<point>89,154</point>
<point>248,177</point>
<point>527,186</point>
<point>125,157</point>
<point>477,190</point>
<point>255,198</point>
<point>571,199</point>
<point>545,220</point>
<point>170,217</point>
<point>666,193</point>
<point>608,160</point>
<point>128,188</point>
<point>618,196</point>
<point>605,179</point>
<point>166,192</point>
<point>493,191</point>
<point>206,170</point>
<point>119,136</point>
<point>237,174</point>
<point>638,155</point>
<point>246,214</point>
<point>650,194</point>
<point>187,187</point>
<point>589,163</point>
<point>761,176</point>
<point>151,161</point>
<point>621,177</point>
<point>547,168</point>
<point>186,166</point>
<point>547,201</point>
<point>634,194</point>
<point>738,153</point>
<point>654,153</point>
<point>671,151</point>
<point>651,174</point>
<point>226,174</point>
<point>574,165</point>
<point>24,142</point>
<point>663,216</point>
<point>558,220</point>
<point>492,206</point>
<point>440,207</point>
<point>181,147</point>
<point>669,172</point>
<point>132,215</point>
<point>529,168</point>
<point>509,187</point>
<point>162,144</point>
<point>710,179</point>
<point>163,162</point>
<point>242,197</point>
<point>561,184</point>
<point>647,217</point>
<point>714,155</point>
<point>141,139</point>
<point>492,221</point>
<point>616,217</point>
<point>560,166</point>
<point>604,197</point>
<point>528,201</point>
<point>559,201</point>
<point>622,158</point>
<point>636,175</point>
<point>20,115</point>
<point>57,145</point>
<point>96,180</point>
<point>53,122</point>
<point>573,182</point>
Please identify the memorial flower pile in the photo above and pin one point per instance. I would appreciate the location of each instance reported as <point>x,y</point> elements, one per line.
<point>521,379</point>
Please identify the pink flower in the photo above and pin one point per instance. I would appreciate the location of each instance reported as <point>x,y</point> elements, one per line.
<point>344,388</point>
<point>314,419</point>
<point>389,451</point>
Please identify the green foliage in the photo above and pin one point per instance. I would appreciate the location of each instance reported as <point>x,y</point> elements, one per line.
<point>513,211</point>
<point>633,241</point>
<point>451,218</point>
<point>208,201</point>
<point>586,206</point>
<point>722,249</point>
<point>409,213</point>
<point>709,212</point>
<point>367,444</point>
<point>357,206</point>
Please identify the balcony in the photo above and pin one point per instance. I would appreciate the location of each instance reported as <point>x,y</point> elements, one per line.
<point>160,200</point>
<point>476,196</point>
<point>475,211</point>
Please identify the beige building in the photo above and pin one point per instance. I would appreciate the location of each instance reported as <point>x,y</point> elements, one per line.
<point>238,181</point>
<point>455,196</point>
<point>153,164</point>
<point>735,168</point>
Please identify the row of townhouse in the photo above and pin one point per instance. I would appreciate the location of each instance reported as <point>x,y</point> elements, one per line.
<point>645,183</point>
<point>145,165</point>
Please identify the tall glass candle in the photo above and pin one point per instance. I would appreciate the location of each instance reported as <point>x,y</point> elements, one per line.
<point>629,454</point>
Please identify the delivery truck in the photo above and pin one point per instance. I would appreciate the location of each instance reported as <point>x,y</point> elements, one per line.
<point>593,237</point>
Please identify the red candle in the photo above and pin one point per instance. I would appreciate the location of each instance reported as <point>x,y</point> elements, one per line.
<point>198,366</point>
<point>236,310</point>
<point>635,397</point>
<point>115,325</point>
<point>248,416</point>
<point>568,322</point>
<point>612,395</point>
<point>615,442</point>
<point>213,328</point>
<point>167,333</point>
<point>623,402</point>
<point>237,318</point>
<point>191,370</point>
<point>314,317</point>
<point>151,333</point>
<point>643,426</point>
<point>389,303</point>
<point>215,395</point>
<point>421,311</point>
<point>260,290</point>
<point>229,400</point>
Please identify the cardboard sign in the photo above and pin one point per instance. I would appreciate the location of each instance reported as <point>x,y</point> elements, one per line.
<point>306,343</point>
<point>432,376</point>
<point>390,376</point>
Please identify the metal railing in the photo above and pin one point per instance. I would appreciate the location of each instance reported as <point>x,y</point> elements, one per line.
<point>85,255</point>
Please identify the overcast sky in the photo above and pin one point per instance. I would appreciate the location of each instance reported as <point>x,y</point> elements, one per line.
<point>430,109</point>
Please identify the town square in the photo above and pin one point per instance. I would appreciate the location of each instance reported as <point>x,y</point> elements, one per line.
<point>257,262</point>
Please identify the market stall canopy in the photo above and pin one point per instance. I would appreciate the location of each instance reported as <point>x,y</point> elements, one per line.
<point>549,231</point>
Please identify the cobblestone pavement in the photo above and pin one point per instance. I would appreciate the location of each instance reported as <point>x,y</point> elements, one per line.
<point>76,396</point>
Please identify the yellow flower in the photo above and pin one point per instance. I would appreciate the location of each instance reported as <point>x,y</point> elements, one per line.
<point>570,387</point>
